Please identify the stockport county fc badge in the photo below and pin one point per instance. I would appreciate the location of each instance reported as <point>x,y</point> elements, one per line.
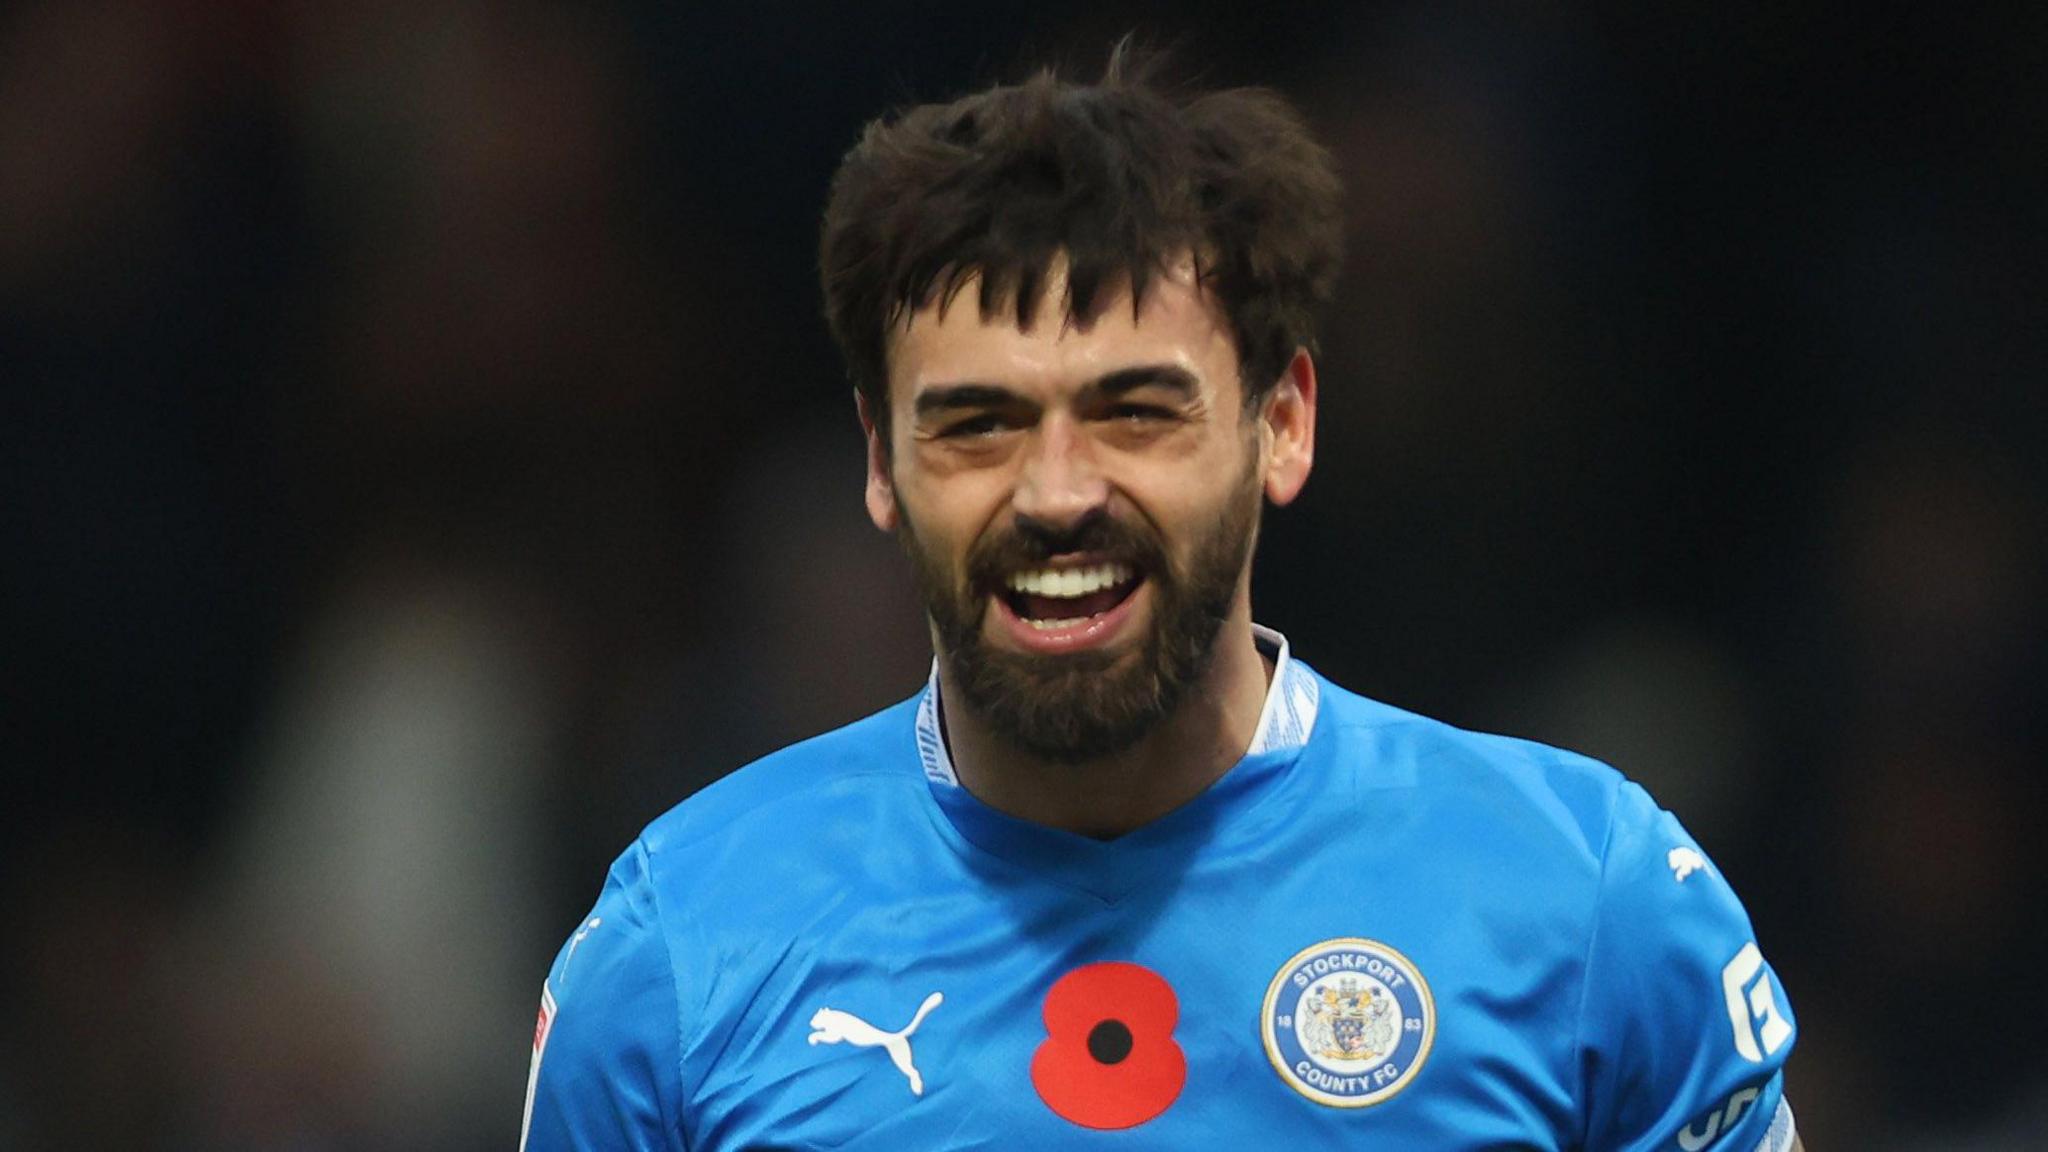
<point>1348,1022</point>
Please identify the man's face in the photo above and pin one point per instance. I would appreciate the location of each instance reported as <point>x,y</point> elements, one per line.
<point>1079,503</point>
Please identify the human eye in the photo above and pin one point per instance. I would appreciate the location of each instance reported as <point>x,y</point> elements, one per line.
<point>1140,418</point>
<point>1134,413</point>
<point>981,425</point>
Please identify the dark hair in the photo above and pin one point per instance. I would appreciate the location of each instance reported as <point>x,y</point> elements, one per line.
<point>1123,177</point>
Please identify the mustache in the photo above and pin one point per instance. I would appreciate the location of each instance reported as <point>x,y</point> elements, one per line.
<point>1027,544</point>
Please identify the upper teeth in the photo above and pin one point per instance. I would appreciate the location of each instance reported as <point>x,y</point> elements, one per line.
<point>1068,583</point>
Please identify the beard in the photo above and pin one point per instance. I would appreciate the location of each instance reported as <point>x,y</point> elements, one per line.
<point>1073,707</point>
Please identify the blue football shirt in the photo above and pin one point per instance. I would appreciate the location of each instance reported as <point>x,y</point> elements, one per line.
<point>1374,931</point>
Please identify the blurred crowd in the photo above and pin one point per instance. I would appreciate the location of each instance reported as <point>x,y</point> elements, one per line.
<point>422,462</point>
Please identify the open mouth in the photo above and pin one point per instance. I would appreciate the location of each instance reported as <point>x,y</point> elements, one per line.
<point>1055,598</point>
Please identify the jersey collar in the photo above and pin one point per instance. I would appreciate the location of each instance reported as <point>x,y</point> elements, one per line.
<point>1284,723</point>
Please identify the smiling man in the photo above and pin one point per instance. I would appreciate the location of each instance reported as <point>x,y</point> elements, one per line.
<point>1079,496</point>
<point>1127,873</point>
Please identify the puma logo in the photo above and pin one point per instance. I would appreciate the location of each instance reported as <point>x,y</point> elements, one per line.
<point>595,921</point>
<point>1684,862</point>
<point>831,1026</point>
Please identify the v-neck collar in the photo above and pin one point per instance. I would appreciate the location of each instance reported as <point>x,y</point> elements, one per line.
<point>1109,869</point>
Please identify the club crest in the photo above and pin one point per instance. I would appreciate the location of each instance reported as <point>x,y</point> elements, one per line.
<point>1348,1022</point>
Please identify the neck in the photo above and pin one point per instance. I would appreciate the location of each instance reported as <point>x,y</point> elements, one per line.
<point>1114,794</point>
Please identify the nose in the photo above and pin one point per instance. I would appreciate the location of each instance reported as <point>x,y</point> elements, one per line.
<point>1059,484</point>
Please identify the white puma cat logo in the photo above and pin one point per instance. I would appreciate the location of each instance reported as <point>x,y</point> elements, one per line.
<point>833,1027</point>
<point>1685,861</point>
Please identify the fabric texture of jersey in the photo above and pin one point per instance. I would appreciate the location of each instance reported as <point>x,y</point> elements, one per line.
<point>1375,930</point>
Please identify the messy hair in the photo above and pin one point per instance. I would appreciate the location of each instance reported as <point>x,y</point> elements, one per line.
<point>1123,177</point>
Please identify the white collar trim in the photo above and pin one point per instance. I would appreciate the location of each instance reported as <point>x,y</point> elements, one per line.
<point>1285,722</point>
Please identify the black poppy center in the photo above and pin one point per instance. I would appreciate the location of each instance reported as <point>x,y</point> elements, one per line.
<point>1109,1042</point>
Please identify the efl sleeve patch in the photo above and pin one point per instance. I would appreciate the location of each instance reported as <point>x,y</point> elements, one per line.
<point>540,1045</point>
<point>606,1042</point>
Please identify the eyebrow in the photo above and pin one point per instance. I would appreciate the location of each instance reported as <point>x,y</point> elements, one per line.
<point>1123,381</point>
<point>948,397</point>
<point>976,394</point>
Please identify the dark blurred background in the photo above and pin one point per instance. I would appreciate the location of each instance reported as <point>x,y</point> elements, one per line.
<point>422,462</point>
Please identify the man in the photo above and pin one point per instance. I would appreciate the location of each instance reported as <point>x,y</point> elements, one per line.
<point>1127,873</point>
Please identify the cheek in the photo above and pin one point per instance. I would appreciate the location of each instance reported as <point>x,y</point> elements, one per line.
<point>1189,498</point>
<point>939,546</point>
<point>949,513</point>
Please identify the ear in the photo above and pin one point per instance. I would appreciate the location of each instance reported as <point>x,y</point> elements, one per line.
<point>881,490</point>
<point>1288,426</point>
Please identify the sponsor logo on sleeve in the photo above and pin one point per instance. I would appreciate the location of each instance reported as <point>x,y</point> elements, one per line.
<point>1704,1131</point>
<point>1760,1030</point>
<point>1701,1133</point>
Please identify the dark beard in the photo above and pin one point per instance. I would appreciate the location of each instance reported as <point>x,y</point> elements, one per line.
<point>1080,706</point>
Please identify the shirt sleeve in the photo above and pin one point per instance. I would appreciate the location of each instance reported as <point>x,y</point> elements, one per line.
<point>1685,1029</point>
<point>606,1063</point>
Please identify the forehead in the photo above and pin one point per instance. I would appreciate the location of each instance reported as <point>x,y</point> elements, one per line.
<point>1178,322</point>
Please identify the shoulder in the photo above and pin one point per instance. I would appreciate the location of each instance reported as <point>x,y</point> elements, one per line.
<point>1540,796</point>
<point>742,857</point>
<point>764,800</point>
<point>738,865</point>
<point>1559,836</point>
<point>1681,1026</point>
